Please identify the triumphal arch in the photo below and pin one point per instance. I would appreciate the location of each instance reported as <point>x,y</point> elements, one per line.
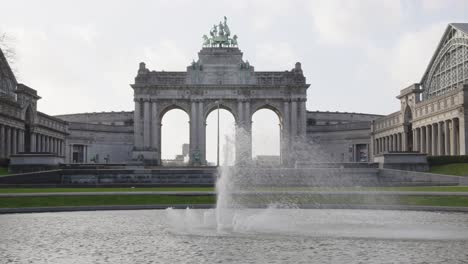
<point>219,78</point>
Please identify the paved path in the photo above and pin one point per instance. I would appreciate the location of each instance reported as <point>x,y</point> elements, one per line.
<point>209,193</point>
<point>209,206</point>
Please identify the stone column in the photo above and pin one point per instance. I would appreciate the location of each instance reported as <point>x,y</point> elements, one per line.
<point>447,138</point>
<point>138,126</point>
<point>463,125</point>
<point>38,143</point>
<point>403,141</point>
<point>453,138</point>
<point>294,120</point>
<point>244,133</point>
<point>7,142</point>
<point>378,146</point>
<point>41,142</point>
<point>2,141</point>
<point>248,129</point>
<point>52,147</point>
<point>423,139</point>
<point>302,118</point>
<point>146,125</point>
<point>202,132</point>
<point>398,142</point>
<point>61,148</point>
<point>32,142</point>
<point>155,131</point>
<point>428,140</point>
<point>14,140</point>
<point>51,144</point>
<point>44,143</point>
<point>390,143</point>
<point>440,139</point>
<point>194,133</point>
<point>20,140</point>
<point>434,140</point>
<point>285,135</point>
<point>47,139</point>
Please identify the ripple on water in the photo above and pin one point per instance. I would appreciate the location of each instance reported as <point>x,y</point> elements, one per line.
<point>294,236</point>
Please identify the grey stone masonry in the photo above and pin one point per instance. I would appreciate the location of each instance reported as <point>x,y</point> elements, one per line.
<point>220,77</point>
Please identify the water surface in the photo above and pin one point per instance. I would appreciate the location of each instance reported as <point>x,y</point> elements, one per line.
<point>255,236</point>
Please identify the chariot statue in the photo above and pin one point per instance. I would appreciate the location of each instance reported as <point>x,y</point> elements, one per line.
<point>220,36</point>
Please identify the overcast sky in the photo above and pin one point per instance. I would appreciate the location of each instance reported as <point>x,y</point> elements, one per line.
<point>82,55</point>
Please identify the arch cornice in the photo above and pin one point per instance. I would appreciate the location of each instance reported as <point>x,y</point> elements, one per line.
<point>229,105</point>
<point>165,106</point>
<point>274,105</point>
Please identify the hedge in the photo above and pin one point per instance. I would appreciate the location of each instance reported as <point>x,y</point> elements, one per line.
<point>442,160</point>
<point>4,162</point>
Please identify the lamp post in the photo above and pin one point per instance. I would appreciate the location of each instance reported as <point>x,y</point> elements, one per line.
<point>217,145</point>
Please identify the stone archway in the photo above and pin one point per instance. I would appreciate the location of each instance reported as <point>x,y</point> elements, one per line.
<point>28,127</point>
<point>267,131</point>
<point>220,75</point>
<point>174,133</point>
<point>408,128</point>
<point>228,123</point>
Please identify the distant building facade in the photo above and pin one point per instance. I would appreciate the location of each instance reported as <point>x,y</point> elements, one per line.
<point>433,117</point>
<point>22,127</point>
<point>340,136</point>
<point>105,137</point>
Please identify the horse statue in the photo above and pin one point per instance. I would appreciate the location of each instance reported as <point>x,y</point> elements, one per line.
<point>206,41</point>
<point>234,41</point>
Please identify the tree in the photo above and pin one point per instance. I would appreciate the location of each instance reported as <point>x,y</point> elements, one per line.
<point>6,45</point>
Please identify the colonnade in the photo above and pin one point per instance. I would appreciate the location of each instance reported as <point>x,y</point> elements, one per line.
<point>391,143</point>
<point>13,140</point>
<point>44,143</point>
<point>438,139</point>
<point>435,139</point>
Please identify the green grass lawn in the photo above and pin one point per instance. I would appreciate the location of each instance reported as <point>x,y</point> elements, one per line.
<point>457,169</point>
<point>22,202</point>
<point>129,189</point>
<point>3,171</point>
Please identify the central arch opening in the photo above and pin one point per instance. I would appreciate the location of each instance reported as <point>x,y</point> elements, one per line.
<point>227,129</point>
<point>266,138</point>
<point>175,138</point>
<point>27,130</point>
<point>408,118</point>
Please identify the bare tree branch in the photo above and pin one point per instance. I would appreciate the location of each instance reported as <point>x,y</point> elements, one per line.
<point>6,44</point>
